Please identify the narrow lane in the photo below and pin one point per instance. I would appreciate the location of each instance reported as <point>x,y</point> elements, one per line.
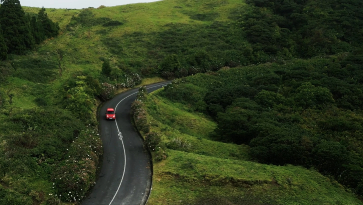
<point>125,176</point>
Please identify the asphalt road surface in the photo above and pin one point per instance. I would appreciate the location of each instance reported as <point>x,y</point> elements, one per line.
<point>125,176</point>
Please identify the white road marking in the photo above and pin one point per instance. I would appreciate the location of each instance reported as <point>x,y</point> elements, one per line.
<point>123,146</point>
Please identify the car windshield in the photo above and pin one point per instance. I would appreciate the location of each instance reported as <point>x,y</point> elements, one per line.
<point>110,112</point>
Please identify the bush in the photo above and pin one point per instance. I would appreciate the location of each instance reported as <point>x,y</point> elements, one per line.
<point>140,116</point>
<point>106,68</point>
<point>310,96</point>
<point>112,23</point>
<point>269,99</point>
<point>152,141</point>
<point>186,93</point>
<point>108,91</point>
<point>236,125</point>
<point>79,96</point>
<point>75,175</point>
<point>170,64</point>
<point>329,157</point>
<point>179,144</point>
<point>160,154</point>
<point>142,94</point>
<point>219,98</point>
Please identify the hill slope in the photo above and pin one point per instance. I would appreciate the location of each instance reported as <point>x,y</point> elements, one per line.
<point>198,170</point>
<point>102,51</point>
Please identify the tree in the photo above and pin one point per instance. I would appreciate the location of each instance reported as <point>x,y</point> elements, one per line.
<point>310,96</point>
<point>269,99</point>
<point>15,27</point>
<point>37,30</point>
<point>3,47</point>
<point>330,156</point>
<point>106,68</point>
<point>49,28</point>
<point>236,124</point>
<point>170,64</point>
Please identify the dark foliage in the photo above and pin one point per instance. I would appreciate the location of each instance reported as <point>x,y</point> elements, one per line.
<point>20,32</point>
<point>47,28</point>
<point>302,28</point>
<point>106,68</point>
<point>78,95</point>
<point>186,49</point>
<point>304,113</point>
<point>15,27</point>
<point>112,23</point>
<point>3,47</point>
<point>86,18</point>
<point>186,93</point>
<point>32,68</point>
<point>219,98</point>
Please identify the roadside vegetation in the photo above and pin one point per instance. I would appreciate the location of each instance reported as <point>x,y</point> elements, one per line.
<point>212,128</point>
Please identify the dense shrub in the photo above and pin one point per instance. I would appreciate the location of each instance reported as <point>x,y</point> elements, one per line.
<point>185,49</point>
<point>48,144</point>
<point>140,116</point>
<point>269,99</point>
<point>112,23</point>
<point>107,92</point>
<point>219,98</point>
<point>75,175</point>
<point>106,68</point>
<point>284,29</point>
<point>300,113</point>
<point>21,31</point>
<point>79,95</point>
<point>310,96</point>
<point>187,93</point>
<point>152,141</point>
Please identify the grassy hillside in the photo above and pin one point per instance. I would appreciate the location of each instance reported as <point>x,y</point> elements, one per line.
<point>198,170</point>
<point>137,36</point>
<point>49,97</point>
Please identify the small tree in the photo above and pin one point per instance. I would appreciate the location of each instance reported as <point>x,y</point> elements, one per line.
<point>310,96</point>
<point>169,66</point>
<point>15,27</point>
<point>49,28</point>
<point>36,30</point>
<point>3,47</point>
<point>152,140</point>
<point>106,68</point>
<point>142,94</point>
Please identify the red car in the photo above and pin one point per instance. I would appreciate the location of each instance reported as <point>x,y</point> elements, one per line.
<point>110,114</point>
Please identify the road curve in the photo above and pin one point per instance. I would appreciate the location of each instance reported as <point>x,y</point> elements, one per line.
<point>125,176</point>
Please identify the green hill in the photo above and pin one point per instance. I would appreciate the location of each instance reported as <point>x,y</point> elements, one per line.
<point>190,167</point>
<point>49,98</point>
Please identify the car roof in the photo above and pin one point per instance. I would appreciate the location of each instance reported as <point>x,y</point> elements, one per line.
<point>110,109</point>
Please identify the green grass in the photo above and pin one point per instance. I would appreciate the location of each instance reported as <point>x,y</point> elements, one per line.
<point>189,176</point>
<point>133,43</point>
<point>182,133</point>
<point>181,120</point>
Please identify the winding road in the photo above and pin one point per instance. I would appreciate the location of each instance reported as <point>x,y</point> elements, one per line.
<point>125,176</point>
